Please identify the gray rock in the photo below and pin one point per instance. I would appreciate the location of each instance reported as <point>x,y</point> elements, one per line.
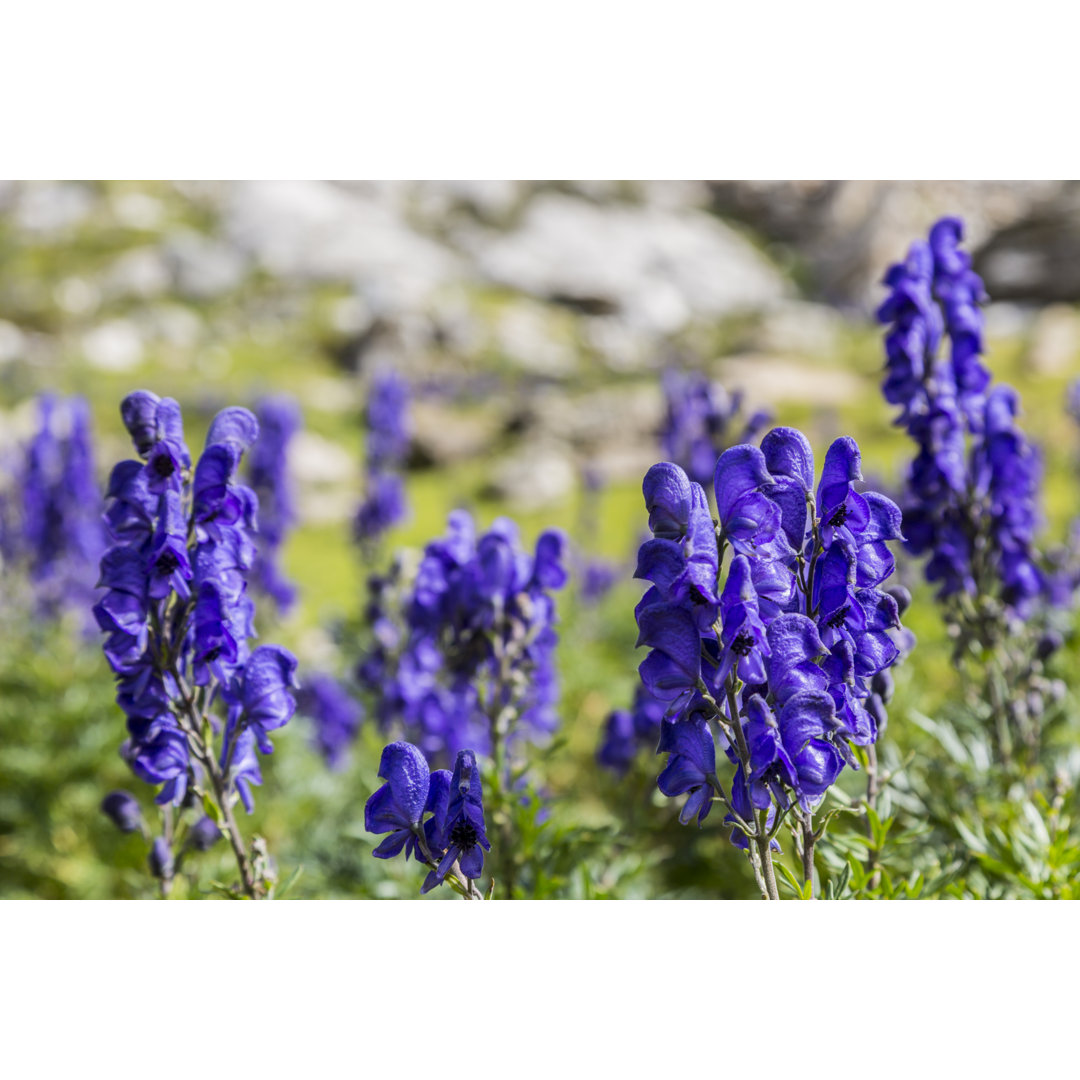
<point>442,436</point>
<point>658,269</point>
<point>613,415</point>
<point>315,460</point>
<point>1037,258</point>
<point>138,210</point>
<point>768,380</point>
<point>316,231</point>
<point>536,475</point>
<point>12,343</point>
<point>113,346</point>
<point>174,324</point>
<point>140,274</point>
<point>618,345</point>
<point>524,335</point>
<point>52,208</point>
<point>798,328</point>
<point>849,232</point>
<point>1055,341</point>
<point>203,267</point>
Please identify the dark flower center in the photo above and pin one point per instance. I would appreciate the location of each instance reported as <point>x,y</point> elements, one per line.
<point>163,466</point>
<point>463,835</point>
<point>167,562</point>
<point>839,517</point>
<point>697,595</point>
<point>742,645</point>
<point>213,654</point>
<point>838,619</point>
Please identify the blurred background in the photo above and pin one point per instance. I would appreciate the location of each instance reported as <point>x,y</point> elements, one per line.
<point>534,322</point>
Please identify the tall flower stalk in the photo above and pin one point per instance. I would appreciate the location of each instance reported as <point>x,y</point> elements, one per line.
<point>200,704</point>
<point>767,628</point>
<point>970,503</point>
<point>463,654</point>
<point>268,473</point>
<point>51,519</point>
<point>388,433</point>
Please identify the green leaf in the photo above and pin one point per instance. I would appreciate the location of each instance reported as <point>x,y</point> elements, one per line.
<point>294,877</point>
<point>211,809</point>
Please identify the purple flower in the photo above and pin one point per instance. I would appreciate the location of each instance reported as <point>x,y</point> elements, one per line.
<point>701,422</point>
<point>160,859</point>
<point>460,829</point>
<point>397,807</point>
<point>122,809</point>
<point>279,420</point>
<point>204,834</point>
<point>336,714</point>
<point>691,765</point>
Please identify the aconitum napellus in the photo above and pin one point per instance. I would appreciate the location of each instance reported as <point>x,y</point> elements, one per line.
<point>178,618</point>
<point>701,420</point>
<point>463,651</point>
<point>335,713</point>
<point>436,817</point>
<point>268,473</point>
<point>52,527</point>
<point>970,501</point>
<point>766,630</point>
<point>388,435</point>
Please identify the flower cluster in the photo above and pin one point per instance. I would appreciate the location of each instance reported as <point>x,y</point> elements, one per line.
<point>387,445</point>
<point>438,817</point>
<point>970,503</point>
<point>596,576</point>
<point>167,852</point>
<point>464,654</point>
<point>178,616</point>
<point>626,731</point>
<point>336,714</point>
<point>701,420</point>
<point>971,495</point>
<point>782,651</point>
<point>52,523</point>
<point>268,474</point>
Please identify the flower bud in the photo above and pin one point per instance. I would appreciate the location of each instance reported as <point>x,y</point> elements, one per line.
<point>902,597</point>
<point>204,834</point>
<point>1049,644</point>
<point>160,859</point>
<point>122,809</point>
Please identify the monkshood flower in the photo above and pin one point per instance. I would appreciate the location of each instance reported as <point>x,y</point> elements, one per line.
<point>178,618</point>
<point>160,859</point>
<point>435,817</point>
<point>768,626</point>
<point>626,732</point>
<point>464,655</point>
<point>383,507</point>
<point>336,714</point>
<point>701,420</point>
<point>598,578</point>
<point>204,834</point>
<point>123,810</point>
<point>972,489</point>
<point>388,421</point>
<point>388,435</point>
<point>268,475</point>
<point>52,528</point>
<point>970,504</point>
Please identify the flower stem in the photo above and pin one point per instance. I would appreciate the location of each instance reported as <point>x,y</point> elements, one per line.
<point>808,839</point>
<point>765,855</point>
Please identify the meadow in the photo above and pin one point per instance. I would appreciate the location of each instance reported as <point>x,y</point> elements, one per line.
<point>950,820</point>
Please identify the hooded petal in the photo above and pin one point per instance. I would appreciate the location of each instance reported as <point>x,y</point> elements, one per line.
<point>407,774</point>
<point>668,499</point>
